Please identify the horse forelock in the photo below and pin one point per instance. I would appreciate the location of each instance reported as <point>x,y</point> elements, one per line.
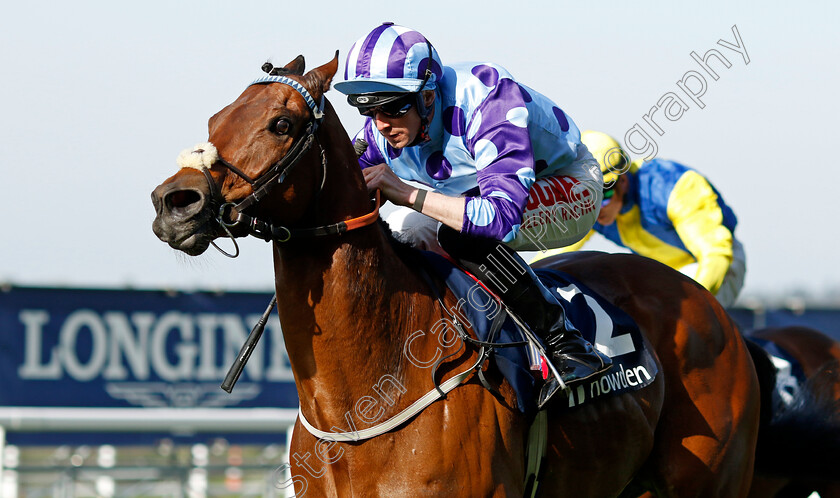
<point>273,70</point>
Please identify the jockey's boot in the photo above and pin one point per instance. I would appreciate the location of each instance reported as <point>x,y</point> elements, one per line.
<point>504,272</point>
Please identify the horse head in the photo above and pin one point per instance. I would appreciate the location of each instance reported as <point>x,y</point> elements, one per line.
<point>259,173</point>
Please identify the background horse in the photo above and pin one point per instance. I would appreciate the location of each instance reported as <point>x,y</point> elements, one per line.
<point>352,306</point>
<point>798,448</point>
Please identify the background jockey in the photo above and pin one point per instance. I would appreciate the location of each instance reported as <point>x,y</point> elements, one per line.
<point>667,212</point>
<point>482,142</point>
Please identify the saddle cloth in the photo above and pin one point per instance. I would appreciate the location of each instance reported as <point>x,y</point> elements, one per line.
<point>605,326</point>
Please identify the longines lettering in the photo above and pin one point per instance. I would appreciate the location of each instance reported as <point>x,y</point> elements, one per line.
<point>140,346</point>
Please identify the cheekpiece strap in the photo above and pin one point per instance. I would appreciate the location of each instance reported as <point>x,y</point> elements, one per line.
<point>317,108</point>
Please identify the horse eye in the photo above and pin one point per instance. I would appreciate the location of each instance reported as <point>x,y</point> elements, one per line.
<point>281,126</point>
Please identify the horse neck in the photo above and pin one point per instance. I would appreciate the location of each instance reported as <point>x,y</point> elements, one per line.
<point>346,302</point>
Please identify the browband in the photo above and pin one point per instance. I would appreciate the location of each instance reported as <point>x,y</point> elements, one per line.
<point>317,109</point>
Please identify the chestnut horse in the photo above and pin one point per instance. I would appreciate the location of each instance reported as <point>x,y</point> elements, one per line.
<point>798,449</point>
<point>351,302</point>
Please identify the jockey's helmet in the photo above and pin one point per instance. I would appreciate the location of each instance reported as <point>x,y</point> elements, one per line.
<point>609,154</point>
<point>387,63</point>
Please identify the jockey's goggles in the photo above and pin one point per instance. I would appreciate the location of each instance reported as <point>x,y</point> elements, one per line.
<point>390,104</point>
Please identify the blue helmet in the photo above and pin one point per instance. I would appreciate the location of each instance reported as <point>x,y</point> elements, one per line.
<point>391,59</point>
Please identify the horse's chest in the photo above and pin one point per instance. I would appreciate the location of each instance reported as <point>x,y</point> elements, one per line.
<point>422,461</point>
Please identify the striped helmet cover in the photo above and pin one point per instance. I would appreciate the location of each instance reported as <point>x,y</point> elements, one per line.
<point>390,58</point>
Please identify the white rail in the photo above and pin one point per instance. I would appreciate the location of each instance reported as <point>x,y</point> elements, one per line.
<point>188,420</point>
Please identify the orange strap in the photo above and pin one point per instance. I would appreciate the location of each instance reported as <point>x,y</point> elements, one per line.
<point>365,220</point>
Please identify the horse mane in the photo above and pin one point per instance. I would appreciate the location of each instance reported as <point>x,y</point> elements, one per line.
<point>407,253</point>
<point>401,246</point>
<point>404,251</point>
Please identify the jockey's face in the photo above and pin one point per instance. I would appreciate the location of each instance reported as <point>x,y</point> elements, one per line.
<point>609,211</point>
<point>402,131</point>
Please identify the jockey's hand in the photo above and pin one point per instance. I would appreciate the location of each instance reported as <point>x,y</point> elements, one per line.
<point>389,184</point>
<point>447,209</point>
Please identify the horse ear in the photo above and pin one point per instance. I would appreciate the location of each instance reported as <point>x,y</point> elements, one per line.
<point>296,66</point>
<point>319,79</point>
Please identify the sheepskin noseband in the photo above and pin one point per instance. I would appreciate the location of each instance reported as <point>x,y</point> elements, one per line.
<point>200,157</point>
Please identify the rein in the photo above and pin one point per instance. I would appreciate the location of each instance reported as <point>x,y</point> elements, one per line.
<point>260,187</point>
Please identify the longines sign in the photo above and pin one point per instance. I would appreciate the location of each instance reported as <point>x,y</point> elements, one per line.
<point>107,348</point>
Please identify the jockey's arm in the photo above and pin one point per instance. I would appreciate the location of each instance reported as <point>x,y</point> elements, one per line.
<point>504,162</point>
<point>447,209</point>
<point>698,220</point>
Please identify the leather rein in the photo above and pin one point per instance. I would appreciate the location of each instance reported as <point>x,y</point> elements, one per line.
<point>260,187</point>
<point>275,175</point>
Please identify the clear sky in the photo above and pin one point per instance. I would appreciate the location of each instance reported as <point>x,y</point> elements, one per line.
<point>98,98</point>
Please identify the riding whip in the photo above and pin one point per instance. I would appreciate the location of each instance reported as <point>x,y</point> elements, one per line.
<point>250,343</point>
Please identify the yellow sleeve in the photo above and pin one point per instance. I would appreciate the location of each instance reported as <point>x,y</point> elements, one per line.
<point>562,250</point>
<point>698,220</point>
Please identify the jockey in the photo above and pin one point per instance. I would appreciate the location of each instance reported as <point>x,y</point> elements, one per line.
<point>498,158</point>
<point>670,213</point>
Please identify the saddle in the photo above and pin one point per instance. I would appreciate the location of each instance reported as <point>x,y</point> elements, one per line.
<point>513,350</point>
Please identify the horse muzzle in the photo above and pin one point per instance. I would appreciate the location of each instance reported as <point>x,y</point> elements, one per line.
<point>185,214</point>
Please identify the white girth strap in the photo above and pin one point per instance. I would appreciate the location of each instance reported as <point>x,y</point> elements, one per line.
<point>398,419</point>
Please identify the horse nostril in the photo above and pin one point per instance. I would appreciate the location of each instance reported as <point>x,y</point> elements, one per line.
<point>183,198</point>
<point>183,202</point>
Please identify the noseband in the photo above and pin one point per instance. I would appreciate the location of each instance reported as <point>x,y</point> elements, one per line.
<point>275,175</point>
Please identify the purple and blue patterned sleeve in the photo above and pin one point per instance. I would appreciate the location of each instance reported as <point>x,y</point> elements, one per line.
<point>498,139</point>
<point>372,155</point>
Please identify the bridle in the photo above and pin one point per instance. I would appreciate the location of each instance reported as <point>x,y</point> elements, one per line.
<point>275,175</point>
<point>260,187</point>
